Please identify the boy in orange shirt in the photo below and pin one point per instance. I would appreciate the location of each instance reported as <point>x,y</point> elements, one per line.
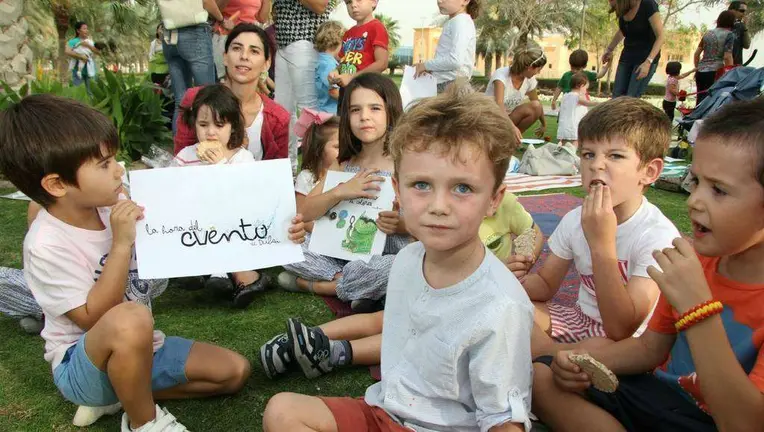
<point>708,370</point>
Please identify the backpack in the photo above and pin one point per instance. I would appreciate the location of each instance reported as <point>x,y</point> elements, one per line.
<point>550,159</point>
<point>181,13</point>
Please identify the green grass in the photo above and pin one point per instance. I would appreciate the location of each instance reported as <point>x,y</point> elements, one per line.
<point>30,402</point>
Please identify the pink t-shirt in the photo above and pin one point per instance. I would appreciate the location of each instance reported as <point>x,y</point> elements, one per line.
<point>669,81</point>
<point>61,265</point>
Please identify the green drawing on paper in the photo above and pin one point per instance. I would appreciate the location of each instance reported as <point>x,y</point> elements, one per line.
<point>360,235</point>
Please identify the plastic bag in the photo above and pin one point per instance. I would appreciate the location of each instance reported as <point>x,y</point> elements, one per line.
<point>157,157</point>
<point>550,159</point>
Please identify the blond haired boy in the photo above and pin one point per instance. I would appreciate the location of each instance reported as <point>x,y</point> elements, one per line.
<point>456,351</point>
<point>610,238</point>
<point>327,43</point>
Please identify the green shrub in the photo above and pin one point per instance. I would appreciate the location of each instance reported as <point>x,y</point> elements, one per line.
<point>128,100</point>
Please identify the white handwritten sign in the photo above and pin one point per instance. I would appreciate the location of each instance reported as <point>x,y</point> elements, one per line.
<point>202,220</point>
<point>349,230</point>
<point>413,89</point>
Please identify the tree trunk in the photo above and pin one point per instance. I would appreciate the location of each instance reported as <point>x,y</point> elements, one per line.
<point>499,60</point>
<point>488,64</point>
<point>61,18</point>
<point>16,62</point>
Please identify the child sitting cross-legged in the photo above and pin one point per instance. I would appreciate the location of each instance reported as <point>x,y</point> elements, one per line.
<point>79,261</point>
<point>610,238</point>
<point>216,116</point>
<point>457,326</point>
<point>372,110</point>
<point>700,365</point>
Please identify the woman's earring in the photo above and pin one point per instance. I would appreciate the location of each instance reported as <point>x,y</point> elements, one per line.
<point>263,76</point>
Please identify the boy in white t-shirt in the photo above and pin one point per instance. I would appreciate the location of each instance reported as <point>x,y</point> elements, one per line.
<point>456,348</point>
<point>611,237</point>
<point>573,108</point>
<point>79,262</point>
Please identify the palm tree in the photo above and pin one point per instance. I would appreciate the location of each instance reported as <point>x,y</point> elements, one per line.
<point>393,32</point>
<point>15,53</point>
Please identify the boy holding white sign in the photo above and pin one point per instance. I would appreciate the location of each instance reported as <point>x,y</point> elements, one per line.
<point>80,265</point>
<point>457,346</point>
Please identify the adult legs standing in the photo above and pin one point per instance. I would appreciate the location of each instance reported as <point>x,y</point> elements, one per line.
<point>188,52</point>
<point>295,85</point>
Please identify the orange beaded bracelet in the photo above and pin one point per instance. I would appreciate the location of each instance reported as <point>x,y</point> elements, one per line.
<point>698,314</point>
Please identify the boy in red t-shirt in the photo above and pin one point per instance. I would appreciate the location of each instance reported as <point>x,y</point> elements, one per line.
<point>364,46</point>
<point>707,368</point>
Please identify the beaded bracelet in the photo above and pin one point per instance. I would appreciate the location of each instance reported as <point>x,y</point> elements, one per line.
<point>698,314</point>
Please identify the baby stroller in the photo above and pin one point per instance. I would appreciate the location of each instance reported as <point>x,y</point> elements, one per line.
<point>738,84</point>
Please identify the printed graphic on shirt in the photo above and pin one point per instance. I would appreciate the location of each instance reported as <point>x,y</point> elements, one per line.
<point>679,370</point>
<point>136,289</point>
<point>588,280</point>
<point>354,52</point>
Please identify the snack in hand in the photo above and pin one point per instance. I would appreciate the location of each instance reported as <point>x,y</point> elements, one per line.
<point>525,243</point>
<point>603,379</point>
<point>203,146</point>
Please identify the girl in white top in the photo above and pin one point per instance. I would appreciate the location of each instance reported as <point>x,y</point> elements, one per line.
<point>510,85</point>
<point>216,116</point>
<point>455,54</point>
<point>320,148</point>
<point>573,108</point>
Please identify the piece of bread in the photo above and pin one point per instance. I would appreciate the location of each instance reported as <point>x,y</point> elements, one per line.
<point>603,379</point>
<point>525,243</point>
<point>203,146</point>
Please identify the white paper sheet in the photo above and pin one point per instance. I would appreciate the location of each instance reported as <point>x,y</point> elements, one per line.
<point>202,220</point>
<point>349,230</point>
<point>413,89</point>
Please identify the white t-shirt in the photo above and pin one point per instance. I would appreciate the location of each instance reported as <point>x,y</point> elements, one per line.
<point>455,358</point>
<point>253,133</point>
<point>61,265</point>
<point>188,156</point>
<point>635,240</point>
<point>304,183</point>
<point>455,54</point>
<point>571,113</point>
<point>512,96</point>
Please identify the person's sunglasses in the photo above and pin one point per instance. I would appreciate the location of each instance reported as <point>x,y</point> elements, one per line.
<point>538,60</point>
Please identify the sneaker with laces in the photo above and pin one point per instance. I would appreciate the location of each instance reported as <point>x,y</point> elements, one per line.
<point>163,422</point>
<point>86,416</point>
<point>311,348</point>
<point>276,356</point>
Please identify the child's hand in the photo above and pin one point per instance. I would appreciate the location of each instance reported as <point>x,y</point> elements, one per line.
<point>567,375</point>
<point>213,156</point>
<point>598,218</point>
<point>520,265</point>
<point>681,280</point>
<point>332,77</point>
<point>390,222</point>
<point>362,185</point>
<point>124,214</point>
<point>540,131</point>
<point>420,70</point>
<point>297,230</point>
<point>344,79</point>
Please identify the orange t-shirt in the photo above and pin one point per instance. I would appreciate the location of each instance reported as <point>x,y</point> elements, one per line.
<point>743,318</point>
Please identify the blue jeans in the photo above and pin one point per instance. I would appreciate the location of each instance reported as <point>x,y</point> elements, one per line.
<point>79,81</point>
<point>626,82</point>
<point>190,61</point>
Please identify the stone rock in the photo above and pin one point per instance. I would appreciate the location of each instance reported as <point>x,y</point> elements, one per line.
<point>10,11</point>
<point>20,65</point>
<point>12,79</point>
<point>8,47</point>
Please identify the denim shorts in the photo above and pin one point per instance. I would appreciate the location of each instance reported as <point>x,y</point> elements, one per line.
<point>82,383</point>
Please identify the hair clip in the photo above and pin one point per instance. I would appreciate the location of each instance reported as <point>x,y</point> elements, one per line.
<point>309,117</point>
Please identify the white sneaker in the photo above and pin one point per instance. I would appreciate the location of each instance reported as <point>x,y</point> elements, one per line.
<point>86,416</point>
<point>163,422</point>
<point>288,282</point>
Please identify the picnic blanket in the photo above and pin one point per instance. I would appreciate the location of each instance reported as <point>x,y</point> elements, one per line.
<point>526,183</point>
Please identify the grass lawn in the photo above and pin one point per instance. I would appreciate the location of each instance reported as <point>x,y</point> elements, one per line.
<point>30,402</point>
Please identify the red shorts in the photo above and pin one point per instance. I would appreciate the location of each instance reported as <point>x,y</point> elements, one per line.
<point>355,415</point>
